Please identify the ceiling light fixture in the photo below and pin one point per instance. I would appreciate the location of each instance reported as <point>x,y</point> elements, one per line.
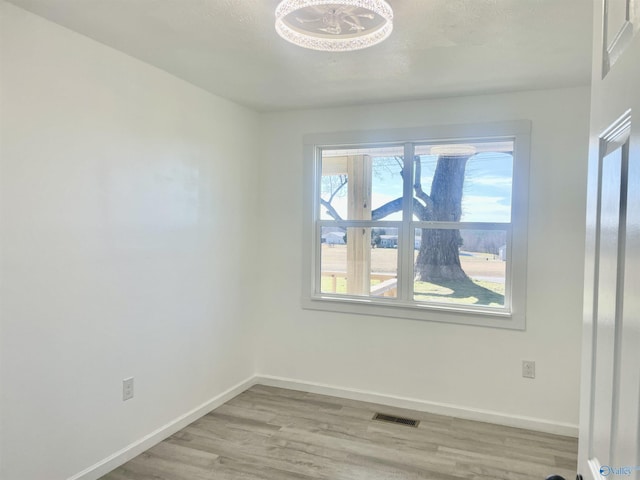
<point>334,25</point>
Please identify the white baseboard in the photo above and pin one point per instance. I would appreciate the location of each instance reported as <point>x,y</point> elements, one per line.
<point>467,413</point>
<point>136,448</point>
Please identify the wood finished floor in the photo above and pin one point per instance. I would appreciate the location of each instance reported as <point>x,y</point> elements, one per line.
<point>271,433</point>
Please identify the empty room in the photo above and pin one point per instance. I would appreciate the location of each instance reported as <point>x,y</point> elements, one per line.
<point>319,239</point>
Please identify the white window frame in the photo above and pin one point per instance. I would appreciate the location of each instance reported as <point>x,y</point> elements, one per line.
<point>513,316</point>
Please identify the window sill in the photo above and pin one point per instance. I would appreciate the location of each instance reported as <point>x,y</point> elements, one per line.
<point>432,313</point>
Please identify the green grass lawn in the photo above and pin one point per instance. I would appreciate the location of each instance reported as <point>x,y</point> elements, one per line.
<point>477,265</point>
<point>466,292</point>
<point>341,284</point>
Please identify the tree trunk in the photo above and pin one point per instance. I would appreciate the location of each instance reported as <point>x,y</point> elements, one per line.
<point>439,255</point>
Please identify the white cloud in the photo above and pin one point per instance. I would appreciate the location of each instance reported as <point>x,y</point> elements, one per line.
<point>489,181</point>
<point>476,208</point>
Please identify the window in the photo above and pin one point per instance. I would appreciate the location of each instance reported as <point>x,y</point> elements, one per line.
<point>425,224</point>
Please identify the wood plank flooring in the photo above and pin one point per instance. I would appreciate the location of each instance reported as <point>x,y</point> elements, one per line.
<point>271,433</point>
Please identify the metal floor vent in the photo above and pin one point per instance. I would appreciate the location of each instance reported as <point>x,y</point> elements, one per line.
<point>393,419</point>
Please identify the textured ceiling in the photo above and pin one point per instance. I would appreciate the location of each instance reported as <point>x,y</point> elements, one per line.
<point>438,48</point>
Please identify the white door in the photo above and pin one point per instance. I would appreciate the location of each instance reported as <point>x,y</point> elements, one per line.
<point>610,409</point>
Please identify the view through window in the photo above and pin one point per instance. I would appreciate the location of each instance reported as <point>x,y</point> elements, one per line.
<point>420,224</point>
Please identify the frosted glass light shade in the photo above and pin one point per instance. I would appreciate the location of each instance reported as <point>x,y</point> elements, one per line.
<point>334,25</point>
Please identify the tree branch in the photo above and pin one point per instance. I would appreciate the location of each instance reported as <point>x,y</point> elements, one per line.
<point>387,209</point>
<point>330,210</point>
<point>420,210</point>
<point>396,206</point>
<point>343,181</point>
<point>417,188</point>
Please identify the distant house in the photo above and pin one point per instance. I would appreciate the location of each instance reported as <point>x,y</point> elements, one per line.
<point>391,241</point>
<point>333,238</point>
<point>502,253</point>
<point>388,241</point>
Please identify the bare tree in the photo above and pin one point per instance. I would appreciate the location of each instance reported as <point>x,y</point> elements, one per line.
<point>439,253</point>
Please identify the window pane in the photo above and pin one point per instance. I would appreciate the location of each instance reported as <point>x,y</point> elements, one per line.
<point>465,183</point>
<point>384,262</point>
<point>361,183</point>
<point>386,192</point>
<point>465,267</point>
<point>352,263</point>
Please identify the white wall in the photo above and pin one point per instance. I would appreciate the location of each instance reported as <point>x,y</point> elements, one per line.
<point>126,202</point>
<point>470,368</point>
<point>128,205</point>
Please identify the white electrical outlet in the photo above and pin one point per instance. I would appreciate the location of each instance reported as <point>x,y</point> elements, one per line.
<point>528,369</point>
<point>127,389</point>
